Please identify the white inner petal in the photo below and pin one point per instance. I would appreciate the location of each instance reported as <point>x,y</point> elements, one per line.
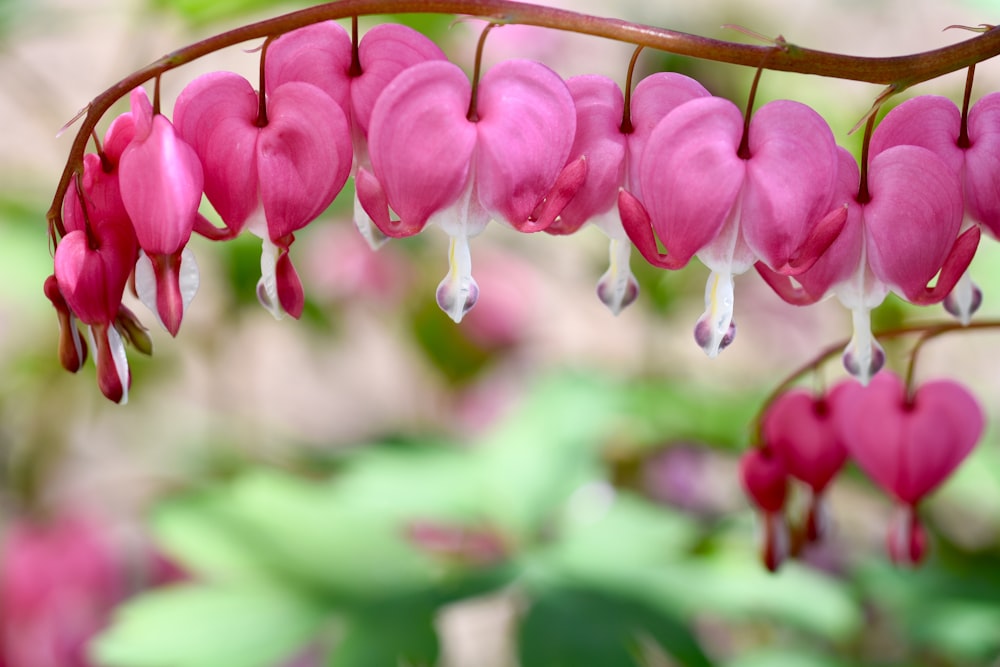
<point>121,361</point>
<point>145,284</point>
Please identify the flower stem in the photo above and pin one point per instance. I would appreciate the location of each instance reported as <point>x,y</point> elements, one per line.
<point>901,71</point>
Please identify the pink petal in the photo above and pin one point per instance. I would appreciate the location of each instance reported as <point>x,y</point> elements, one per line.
<point>420,141</point>
<point>638,227</point>
<point>319,54</point>
<point>691,175</point>
<point>303,157</point>
<point>161,182</point>
<point>216,115</point>
<point>92,280</point>
<point>929,121</point>
<point>525,131</point>
<point>982,163</point>
<point>791,175</point>
<point>945,423</point>
<point>653,98</point>
<point>599,103</point>
<point>801,430</point>
<point>384,52</point>
<point>913,217</point>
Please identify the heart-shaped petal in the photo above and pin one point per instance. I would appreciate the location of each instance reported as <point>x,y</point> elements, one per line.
<point>790,179</point>
<point>92,280</point>
<point>800,428</point>
<point>526,125</point>
<point>982,163</point>
<point>421,142</point>
<point>913,217</point>
<point>690,174</point>
<point>319,54</point>
<point>908,447</point>
<point>216,115</point>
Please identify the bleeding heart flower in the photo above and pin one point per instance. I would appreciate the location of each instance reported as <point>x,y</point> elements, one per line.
<point>432,163</point>
<point>322,54</point>
<point>935,123</point>
<point>705,192</point>
<point>275,173</point>
<point>161,184</point>
<point>612,152</point>
<point>765,480</point>
<point>799,427</point>
<point>908,444</point>
<point>899,239</point>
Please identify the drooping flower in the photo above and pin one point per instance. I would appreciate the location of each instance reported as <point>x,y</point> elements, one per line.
<point>94,259</point>
<point>612,152</point>
<point>161,185</point>
<point>765,480</point>
<point>275,174</point>
<point>908,445</point>
<point>899,239</point>
<point>708,192</point>
<point>800,428</point>
<point>432,163</point>
<point>935,123</point>
<point>322,54</point>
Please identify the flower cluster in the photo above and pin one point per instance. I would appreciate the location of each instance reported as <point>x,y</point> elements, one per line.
<point>908,443</point>
<point>670,168</point>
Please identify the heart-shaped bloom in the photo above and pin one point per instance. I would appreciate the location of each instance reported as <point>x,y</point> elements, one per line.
<point>612,153</point>
<point>935,123</point>
<point>275,176</point>
<point>799,427</point>
<point>95,258</point>
<point>431,163</point>
<point>898,240</point>
<point>908,444</point>
<point>765,480</point>
<point>161,185</point>
<point>705,193</point>
<point>322,54</point>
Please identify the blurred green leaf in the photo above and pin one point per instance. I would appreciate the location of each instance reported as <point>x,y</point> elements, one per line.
<point>394,632</point>
<point>307,535</point>
<point>573,627</point>
<point>787,657</point>
<point>735,586</point>
<point>194,626</point>
<point>546,450</point>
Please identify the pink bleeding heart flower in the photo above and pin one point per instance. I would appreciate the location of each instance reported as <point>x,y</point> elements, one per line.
<point>612,152</point>
<point>800,428</point>
<point>899,239</point>
<point>708,193</point>
<point>935,123</point>
<point>431,163</point>
<point>95,258</point>
<point>161,184</point>
<point>908,444</point>
<point>274,174</point>
<point>765,480</point>
<point>322,54</point>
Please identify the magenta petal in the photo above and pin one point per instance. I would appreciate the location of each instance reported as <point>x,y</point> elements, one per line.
<point>420,141</point>
<point>93,280</point>
<point>913,217</point>
<point>982,163</point>
<point>319,54</point>
<point>653,98</point>
<point>954,267</point>
<point>384,52</point>
<point>929,121</point>
<point>169,301</point>
<point>638,227</point>
<point>691,175</point>
<point>568,183</point>
<point>290,293</point>
<point>799,427</point>
<point>161,183</point>
<point>216,115</point>
<point>791,175</point>
<point>599,104</point>
<point>525,131</point>
<point>303,157</point>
